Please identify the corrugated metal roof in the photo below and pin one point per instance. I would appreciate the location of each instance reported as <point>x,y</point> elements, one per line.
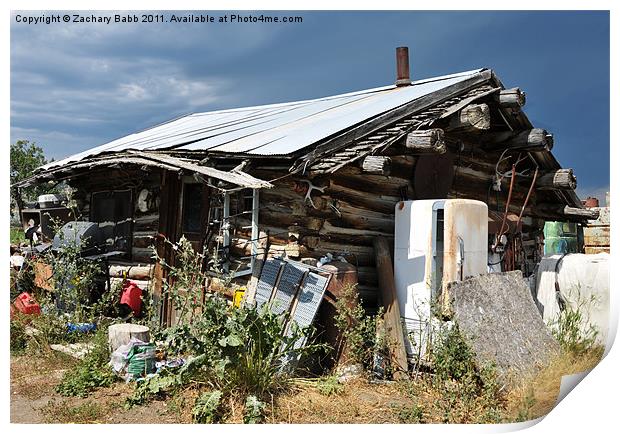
<point>271,130</point>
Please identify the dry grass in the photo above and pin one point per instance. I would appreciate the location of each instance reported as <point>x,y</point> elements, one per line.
<point>536,396</point>
<point>64,412</point>
<point>36,377</point>
<point>358,401</point>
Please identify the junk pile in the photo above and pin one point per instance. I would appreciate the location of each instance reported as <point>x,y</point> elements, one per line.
<point>578,282</point>
<point>500,321</point>
<point>133,356</point>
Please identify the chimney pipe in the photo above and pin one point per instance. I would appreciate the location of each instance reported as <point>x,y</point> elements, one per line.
<point>402,67</point>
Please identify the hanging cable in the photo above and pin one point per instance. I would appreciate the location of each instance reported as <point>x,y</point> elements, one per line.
<point>501,231</point>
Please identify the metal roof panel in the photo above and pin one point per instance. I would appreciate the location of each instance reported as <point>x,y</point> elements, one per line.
<point>275,129</point>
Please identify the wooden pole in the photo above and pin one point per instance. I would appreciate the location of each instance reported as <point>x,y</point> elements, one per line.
<point>426,141</point>
<point>377,165</point>
<point>533,140</point>
<point>562,179</point>
<point>511,98</point>
<point>393,324</point>
<point>474,117</point>
<point>591,214</point>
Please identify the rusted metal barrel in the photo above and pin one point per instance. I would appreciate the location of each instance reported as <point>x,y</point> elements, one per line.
<point>591,202</point>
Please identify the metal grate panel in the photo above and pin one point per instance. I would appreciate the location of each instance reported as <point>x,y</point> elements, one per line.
<point>267,280</point>
<point>308,302</point>
<point>309,299</point>
<point>287,287</point>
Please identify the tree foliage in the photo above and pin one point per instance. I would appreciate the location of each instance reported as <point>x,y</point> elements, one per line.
<point>26,156</point>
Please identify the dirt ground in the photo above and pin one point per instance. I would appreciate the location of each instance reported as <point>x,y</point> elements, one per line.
<point>34,400</point>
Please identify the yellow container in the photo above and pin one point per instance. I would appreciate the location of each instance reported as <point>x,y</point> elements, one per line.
<point>238,297</point>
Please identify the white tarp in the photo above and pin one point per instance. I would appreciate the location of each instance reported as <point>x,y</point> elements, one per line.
<point>583,282</point>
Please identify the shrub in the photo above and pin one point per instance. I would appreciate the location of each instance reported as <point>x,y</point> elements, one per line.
<point>452,357</point>
<point>254,410</point>
<point>92,372</point>
<point>206,407</point>
<point>411,414</point>
<point>50,329</point>
<point>73,278</point>
<point>358,330</point>
<point>18,337</point>
<point>329,386</point>
<point>467,393</point>
<point>572,329</point>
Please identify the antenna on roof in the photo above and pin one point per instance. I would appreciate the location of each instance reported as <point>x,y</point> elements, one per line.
<point>402,67</point>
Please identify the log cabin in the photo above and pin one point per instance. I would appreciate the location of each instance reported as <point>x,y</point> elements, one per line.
<point>308,178</point>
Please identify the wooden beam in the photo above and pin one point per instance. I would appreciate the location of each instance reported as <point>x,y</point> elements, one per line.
<point>381,121</point>
<point>562,179</point>
<point>474,117</point>
<point>426,141</point>
<point>568,211</point>
<point>393,325</point>
<point>511,98</point>
<point>534,140</point>
<point>377,165</point>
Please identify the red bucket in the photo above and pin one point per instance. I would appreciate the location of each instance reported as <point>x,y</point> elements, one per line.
<point>132,297</point>
<point>27,305</point>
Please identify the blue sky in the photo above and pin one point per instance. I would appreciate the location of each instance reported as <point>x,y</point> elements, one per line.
<point>75,86</point>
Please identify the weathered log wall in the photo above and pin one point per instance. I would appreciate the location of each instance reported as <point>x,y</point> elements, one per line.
<point>355,207</point>
<point>342,216</point>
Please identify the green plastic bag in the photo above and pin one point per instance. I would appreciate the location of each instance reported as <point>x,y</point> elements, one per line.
<point>141,360</point>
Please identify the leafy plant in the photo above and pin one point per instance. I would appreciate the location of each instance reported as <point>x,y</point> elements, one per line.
<point>411,414</point>
<point>358,330</point>
<point>150,387</point>
<point>206,407</point>
<point>238,351</point>
<point>73,277</point>
<point>572,329</point>
<point>254,410</point>
<point>91,372</point>
<point>18,337</point>
<point>329,386</point>
<point>467,393</point>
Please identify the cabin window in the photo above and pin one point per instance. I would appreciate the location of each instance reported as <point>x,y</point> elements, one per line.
<point>192,208</point>
<point>112,211</point>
